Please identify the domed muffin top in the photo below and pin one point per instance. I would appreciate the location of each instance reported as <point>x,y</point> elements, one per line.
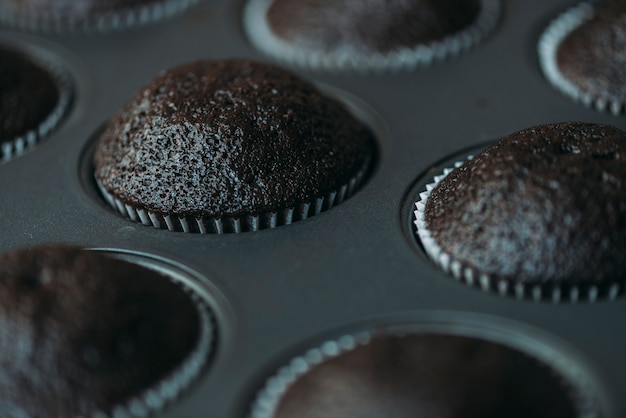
<point>229,137</point>
<point>544,204</point>
<point>592,56</point>
<point>369,25</point>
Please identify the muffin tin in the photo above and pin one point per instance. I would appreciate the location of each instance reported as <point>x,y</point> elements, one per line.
<point>356,268</point>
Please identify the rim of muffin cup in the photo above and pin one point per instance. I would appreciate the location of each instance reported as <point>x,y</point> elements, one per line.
<point>63,81</point>
<point>404,58</point>
<point>504,286</point>
<point>570,372</point>
<point>124,18</point>
<point>246,222</point>
<point>165,391</point>
<point>549,41</point>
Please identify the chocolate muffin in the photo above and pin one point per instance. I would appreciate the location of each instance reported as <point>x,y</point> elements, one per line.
<point>371,26</point>
<point>424,375</point>
<point>585,49</point>
<point>386,31</point>
<point>63,15</point>
<point>83,334</point>
<point>233,145</point>
<point>32,101</point>
<point>543,209</point>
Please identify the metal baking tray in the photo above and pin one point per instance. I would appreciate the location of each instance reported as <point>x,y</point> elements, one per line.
<point>276,293</point>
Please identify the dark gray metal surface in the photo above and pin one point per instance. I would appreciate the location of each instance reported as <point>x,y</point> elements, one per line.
<point>277,292</point>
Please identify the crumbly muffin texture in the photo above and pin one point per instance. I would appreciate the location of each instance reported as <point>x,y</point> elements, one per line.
<point>546,204</point>
<point>224,138</point>
<point>593,56</point>
<point>81,332</point>
<point>368,26</point>
<point>28,94</point>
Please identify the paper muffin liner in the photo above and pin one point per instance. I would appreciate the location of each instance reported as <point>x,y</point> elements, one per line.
<point>242,223</point>
<point>473,277</point>
<point>47,21</point>
<point>547,49</point>
<point>405,58</point>
<point>17,146</point>
<point>276,387</point>
<point>169,388</point>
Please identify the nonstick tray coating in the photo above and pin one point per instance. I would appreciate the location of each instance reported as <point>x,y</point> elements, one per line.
<point>276,293</point>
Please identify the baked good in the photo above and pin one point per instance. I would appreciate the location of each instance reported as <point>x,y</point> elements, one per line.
<point>584,51</point>
<point>367,34</point>
<point>371,26</point>
<point>428,375</point>
<point>82,333</point>
<point>589,57</point>
<point>88,15</point>
<point>545,206</point>
<point>230,145</point>
<point>30,101</point>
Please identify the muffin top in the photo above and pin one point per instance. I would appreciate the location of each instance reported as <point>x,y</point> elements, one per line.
<point>592,56</point>
<point>428,375</point>
<point>368,26</point>
<point>28,94</point>
<point>215,138</point>
<point>81,332</point>
<point>546,204</point>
